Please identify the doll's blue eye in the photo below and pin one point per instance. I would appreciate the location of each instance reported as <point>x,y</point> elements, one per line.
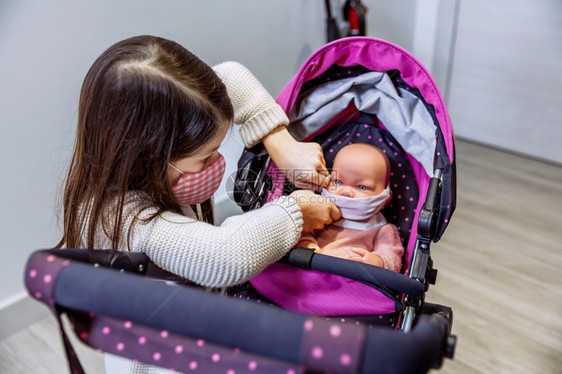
<point>337,182</point>
<point>362,188</point>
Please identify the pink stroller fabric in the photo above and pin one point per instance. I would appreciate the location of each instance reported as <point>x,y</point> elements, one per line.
<point>319,293</point>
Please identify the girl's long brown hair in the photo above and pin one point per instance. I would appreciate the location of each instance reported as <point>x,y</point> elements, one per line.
<point>145,102</point>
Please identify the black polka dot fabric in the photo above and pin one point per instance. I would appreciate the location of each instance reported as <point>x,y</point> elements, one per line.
<point>334,73</point>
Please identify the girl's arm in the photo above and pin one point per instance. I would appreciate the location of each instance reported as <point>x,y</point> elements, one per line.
<point>225,255</point>
<point>264,120</point>
<point>302,163</point>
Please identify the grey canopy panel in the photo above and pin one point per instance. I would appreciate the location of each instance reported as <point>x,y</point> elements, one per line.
<point>403,114</point>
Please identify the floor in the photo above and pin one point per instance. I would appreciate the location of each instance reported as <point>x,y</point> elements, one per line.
<point>500,264</point>
<point>499,269</point>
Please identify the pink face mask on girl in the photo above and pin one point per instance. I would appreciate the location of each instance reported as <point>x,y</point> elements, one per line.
<point>195,188</point>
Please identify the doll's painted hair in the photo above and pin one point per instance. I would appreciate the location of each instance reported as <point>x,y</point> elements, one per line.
<point>146,101</point>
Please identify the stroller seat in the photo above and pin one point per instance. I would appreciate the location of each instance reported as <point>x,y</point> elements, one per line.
<point>321,293</point>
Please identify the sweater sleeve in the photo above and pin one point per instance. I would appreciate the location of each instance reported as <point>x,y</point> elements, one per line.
<point>388,247</point>
<point>254,108</point>
<point>225,255</point>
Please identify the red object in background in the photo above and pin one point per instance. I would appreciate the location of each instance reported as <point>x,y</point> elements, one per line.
<point>354,12</point>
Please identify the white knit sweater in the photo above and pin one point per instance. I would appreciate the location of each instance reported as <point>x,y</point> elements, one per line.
<point>254,108</point>
<point>212,256</point>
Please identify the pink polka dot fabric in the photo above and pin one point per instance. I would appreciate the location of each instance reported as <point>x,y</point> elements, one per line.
<point>135,341</point>
<point>165,349</point>
<point>330,347</point>
<point>40,275</point>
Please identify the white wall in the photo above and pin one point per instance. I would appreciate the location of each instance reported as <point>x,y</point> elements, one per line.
<point>46,49</point>
<point>392,20</point>
<point>506,76</point>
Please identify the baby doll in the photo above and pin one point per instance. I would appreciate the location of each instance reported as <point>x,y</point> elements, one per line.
<point>360,188</point>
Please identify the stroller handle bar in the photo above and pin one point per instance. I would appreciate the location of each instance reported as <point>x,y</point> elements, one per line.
<point>374,276</point>
<point>96,292</point>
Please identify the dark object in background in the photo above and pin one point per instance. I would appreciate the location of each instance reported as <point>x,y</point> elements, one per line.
<point>351,21</point>
<point>332,30</point>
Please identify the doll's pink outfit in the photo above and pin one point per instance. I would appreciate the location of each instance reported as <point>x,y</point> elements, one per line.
<point>319,293</point>
<point>375,235</point>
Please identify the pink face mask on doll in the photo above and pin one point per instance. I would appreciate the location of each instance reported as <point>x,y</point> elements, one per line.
<point>195,188</point>
<point>359,208</point>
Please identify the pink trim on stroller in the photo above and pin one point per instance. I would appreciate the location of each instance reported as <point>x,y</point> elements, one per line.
<point>358,50</point>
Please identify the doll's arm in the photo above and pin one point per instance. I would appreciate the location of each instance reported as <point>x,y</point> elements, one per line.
<point>365,256</point>
<point>307,240</point>
<point>388,247</point>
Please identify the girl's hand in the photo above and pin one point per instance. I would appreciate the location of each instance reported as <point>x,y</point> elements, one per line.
<point>302,163</point>
<point>317,212</point>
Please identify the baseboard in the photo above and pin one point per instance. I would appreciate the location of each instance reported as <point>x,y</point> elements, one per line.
<point>20,312</point>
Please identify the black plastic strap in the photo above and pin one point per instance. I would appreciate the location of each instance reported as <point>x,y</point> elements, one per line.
<point>73,361</point>
<point>299,257</point>
<point>132,262</point>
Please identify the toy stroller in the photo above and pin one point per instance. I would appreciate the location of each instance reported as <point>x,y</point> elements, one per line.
<point>351,90</point>
<point>368,91</point>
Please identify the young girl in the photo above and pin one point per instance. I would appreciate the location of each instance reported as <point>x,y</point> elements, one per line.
<point>146,163</point>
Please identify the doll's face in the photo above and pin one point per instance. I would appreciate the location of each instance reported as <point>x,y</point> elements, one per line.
<point>359,170</point>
